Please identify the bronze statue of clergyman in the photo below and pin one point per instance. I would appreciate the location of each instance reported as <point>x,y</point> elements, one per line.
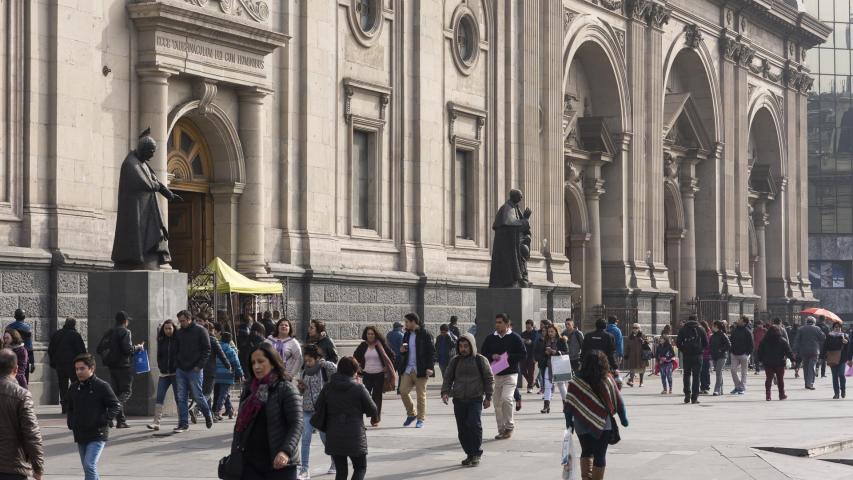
<point>511,249</point>
<point>141,238</point>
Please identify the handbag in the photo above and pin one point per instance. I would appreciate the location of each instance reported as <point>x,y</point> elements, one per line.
<point>833,358</point>
<point>614,432</point>
<point>390,384</point>
<point>646,352</point>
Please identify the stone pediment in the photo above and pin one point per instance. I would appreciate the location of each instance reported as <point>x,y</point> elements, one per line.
<point>761,180</point>
<point>682,124</point>
<point>594,136</point>
<point>183,37</point>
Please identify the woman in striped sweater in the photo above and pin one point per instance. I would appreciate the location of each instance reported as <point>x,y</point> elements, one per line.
<point>592,401</point>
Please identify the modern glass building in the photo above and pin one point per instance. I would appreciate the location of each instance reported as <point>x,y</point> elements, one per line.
<point>830,114</point>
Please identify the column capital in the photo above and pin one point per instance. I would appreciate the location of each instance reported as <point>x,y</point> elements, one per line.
<point>232,190</point>
<point>155,73</point>
<point>253,93</point>
<point>593,187</point>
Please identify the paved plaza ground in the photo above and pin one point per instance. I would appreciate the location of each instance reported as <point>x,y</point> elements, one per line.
<point>665,440</point>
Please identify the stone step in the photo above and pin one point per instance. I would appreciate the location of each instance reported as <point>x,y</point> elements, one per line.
<point>813,450</point>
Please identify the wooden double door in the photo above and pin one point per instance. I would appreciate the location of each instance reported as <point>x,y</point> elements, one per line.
<point>191,231</point>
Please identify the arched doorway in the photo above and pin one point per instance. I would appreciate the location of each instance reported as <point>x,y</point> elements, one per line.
<point>691,133</point>
<point>593,127</point>
<point>766,184</point>
<point>190,221</point>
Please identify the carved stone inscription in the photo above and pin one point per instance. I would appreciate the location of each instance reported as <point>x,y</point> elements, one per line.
<point>208,53</point>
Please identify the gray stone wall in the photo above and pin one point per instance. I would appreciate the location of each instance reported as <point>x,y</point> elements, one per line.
<point>822,247</point>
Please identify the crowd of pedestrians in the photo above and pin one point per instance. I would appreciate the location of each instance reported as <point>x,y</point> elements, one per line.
<point>289,390</point>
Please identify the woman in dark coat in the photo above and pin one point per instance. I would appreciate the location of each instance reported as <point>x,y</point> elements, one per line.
<point>317,335</point>
<point>269,425</point>
<point>550,344</point>
<point>339,412</point>
<point>376,361</point>
<point>772,353</point>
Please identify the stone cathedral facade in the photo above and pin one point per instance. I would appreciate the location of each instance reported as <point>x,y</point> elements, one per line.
<point>357,150</point>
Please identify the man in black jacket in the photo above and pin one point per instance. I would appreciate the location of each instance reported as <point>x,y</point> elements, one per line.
<point>416,364</point>
<point>504,344</point>
<point>742,347</point>
<point>92,405</point>
<point>193,352</point>
<point>65,344</point>
<point>118,359</point>
<point>600,339</point>
<point>691,341</point>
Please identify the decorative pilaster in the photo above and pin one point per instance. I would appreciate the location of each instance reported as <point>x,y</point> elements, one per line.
<point>253,211</point>
<point>593,188</point>
<point>689,186</point>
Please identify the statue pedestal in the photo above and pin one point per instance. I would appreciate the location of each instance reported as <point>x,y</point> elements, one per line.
<point>519,304</point>
<point>149,297</point>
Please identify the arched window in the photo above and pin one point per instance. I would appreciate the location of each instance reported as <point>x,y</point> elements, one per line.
<point>188,158</point>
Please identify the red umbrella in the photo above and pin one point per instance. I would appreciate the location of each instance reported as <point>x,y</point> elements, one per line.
<point>814,311</point>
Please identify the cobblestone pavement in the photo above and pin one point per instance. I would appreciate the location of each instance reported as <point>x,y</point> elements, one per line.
<point>666,439</point>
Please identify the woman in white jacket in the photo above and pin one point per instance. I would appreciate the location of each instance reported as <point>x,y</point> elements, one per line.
<point>287,347</point>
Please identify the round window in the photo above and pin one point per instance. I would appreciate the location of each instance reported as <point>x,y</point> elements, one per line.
<point>367,14</point>
<point>466,39</point>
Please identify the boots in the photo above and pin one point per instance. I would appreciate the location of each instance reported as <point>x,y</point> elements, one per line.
<point>597,473</point>
<point>158,413</point>
<point>768,394</point>
<point>586,468</point>
<point>546,408</point>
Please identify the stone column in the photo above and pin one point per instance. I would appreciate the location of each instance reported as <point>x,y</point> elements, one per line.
<point>760,220</point>
<point>593,188</point>
<point>687,273</point>
<point>153,114</point>
<point>250,253</point>
<point>579,266</point>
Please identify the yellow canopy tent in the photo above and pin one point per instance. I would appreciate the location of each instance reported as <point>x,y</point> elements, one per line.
<point>228,280</point>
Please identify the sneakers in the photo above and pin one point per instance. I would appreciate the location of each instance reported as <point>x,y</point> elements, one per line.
<point>500,435</point>
<point>687,399</point>
<point>475,461</point>
<point>193,417</point>
<point>208,421</point>
<point>419,424</point>
<point>715,394</point>
<point>518,405</point>
<point>409,420</point>
<point>153,426</point>
<point>503,435</point>
<point>180,429</point>
<point>122,425</point>
<point>467,461</point>
<point>303,474</point>
<point>695,401</point>
<point>734,392</point>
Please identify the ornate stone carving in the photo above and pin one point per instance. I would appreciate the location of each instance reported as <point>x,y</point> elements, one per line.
<point>796,78</point>
<point>593,187</point>
<point>256,10</point>
<point>609,4</point>
<point>206,92</point>
<point>692,35</point>
<point>670,166</point>
<point>573,174</point>
<point>735,49</point>
<point>660,15</point>
<point>568,18</point>
<point>638,9</point>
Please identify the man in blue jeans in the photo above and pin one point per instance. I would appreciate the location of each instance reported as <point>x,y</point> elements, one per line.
<point>91,406</point>
<point>193,351</point>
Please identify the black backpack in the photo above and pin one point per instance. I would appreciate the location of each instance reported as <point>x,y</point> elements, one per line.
<point>105,348</point>
<point>691,343</point>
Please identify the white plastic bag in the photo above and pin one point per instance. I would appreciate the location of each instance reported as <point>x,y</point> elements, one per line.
<point>561,368</point>
<point>571,457</point>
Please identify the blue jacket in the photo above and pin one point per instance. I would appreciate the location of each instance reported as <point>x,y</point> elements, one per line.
<point>26,333</point>
<point>613,329</point>
<point>395,341</point>
<point>223,375</point>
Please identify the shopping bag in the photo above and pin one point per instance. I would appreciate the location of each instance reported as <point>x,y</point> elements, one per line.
<point>561,368</point>
<point>848,372</point>
<point>140,361</point>
<point>571,457</point>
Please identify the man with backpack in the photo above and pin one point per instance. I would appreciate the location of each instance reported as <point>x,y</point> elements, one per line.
<point>691,342</point>
<point>116,350</point>
<point>469,380</point>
